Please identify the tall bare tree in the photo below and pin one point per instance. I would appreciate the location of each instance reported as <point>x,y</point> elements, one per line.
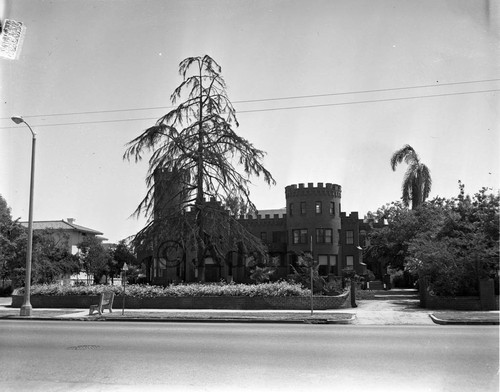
<point>196,145</point>
<point>417,181</point>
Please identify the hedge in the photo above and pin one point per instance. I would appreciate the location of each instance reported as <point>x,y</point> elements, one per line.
<point>275,289</point>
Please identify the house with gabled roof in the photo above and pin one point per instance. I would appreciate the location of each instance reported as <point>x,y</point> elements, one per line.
<point>67,228</point>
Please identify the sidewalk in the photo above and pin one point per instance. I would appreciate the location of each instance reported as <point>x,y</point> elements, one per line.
<point>465,318</point>
<point>368,312</point>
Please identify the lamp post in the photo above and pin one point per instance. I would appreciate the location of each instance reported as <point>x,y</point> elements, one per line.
<point>26,306</point>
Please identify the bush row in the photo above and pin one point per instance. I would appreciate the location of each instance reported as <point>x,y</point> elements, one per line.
<point>275,289</point>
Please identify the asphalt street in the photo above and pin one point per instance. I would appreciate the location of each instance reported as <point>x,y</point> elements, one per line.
<point>100,356</point>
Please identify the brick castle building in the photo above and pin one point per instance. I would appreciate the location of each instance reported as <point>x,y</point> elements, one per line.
<point>311,221</point>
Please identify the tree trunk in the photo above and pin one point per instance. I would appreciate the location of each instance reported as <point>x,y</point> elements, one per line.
<point>200,197</point>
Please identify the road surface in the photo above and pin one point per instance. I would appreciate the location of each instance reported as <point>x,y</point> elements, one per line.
<point>116,356</point>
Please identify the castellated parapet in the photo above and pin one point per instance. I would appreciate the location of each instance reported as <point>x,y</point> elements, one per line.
<point>328,189</point>
<point>263,219</point>
<point>299,196</point>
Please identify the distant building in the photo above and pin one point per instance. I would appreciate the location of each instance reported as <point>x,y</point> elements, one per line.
<point>73,234</point>
<point>67,228</point>
<point>311,221</point>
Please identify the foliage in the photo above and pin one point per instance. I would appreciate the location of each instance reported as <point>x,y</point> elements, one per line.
<point>12,237</point>
<point>370,276</point>
<point>95,259</point>
<point>121,254</point>
<point>452,242</point>
<point>5,291</point>
<point>51,256</point>
<point>302,272</point>
<point>417,181</point>
<point>236,205</point>
<point>389,244</point>
<point>262,271</point>
<point>455,255</point>
<point>275,289</point>
<point>334,287</point>
<point>196,144</point>
<point>397,277</point>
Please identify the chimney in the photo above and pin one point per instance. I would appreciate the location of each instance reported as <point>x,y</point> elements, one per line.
<point>70,220</point>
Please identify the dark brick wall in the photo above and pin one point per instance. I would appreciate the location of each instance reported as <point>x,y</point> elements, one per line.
<point>236,303</point>
<point>310,220</point>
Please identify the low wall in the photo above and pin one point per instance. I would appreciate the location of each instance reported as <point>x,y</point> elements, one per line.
<point>453,303</point>
<point>488,301</point>
<point>235,303</point>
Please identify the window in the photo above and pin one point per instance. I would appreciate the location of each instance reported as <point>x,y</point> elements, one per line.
<point>318,207</point>
<point>302,207</point>
<point>299,236</point>
<point>349,261</point>
<point>291,209</point>
<point>349,237</point>
<point>323,270</point>
<point>327,264</point>
<point>362,238</point>
<point>323,265</point>
<point>333,265</point>
<point>324,236</point>
<point>323,259</point>
<point>263,236</point>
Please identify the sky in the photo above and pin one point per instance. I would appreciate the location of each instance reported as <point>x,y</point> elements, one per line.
<point>337,86</point>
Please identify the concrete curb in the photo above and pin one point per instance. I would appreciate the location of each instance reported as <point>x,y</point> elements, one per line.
<point>463,321</point>
<point>189,320</point>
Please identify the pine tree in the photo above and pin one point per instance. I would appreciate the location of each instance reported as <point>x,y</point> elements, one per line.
<point>196,145</point>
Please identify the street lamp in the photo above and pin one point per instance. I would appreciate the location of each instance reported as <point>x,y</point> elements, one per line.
<point>26,306</point>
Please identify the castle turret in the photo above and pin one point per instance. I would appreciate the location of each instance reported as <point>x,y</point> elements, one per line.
<point>313,222</point>
<point>169,192</point>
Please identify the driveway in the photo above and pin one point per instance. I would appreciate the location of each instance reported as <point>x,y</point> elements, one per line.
<point>391,312</point>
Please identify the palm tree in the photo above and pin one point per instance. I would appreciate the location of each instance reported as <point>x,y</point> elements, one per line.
<point>417,181</point>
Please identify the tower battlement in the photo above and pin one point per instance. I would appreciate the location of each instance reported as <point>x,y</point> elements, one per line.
<point>321,188</point>
<point>353,215</point>
<point>264,219</point>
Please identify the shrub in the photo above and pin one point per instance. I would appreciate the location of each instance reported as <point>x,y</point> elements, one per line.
<point>370,276</point>
<point>5,291</point>
<point>274,289</point>
<point>334,287</point>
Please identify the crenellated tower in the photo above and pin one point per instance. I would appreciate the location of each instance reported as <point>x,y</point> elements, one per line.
<point>313,222</point>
